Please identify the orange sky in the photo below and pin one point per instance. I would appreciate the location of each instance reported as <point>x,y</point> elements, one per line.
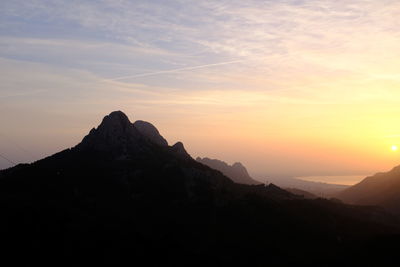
<point>293,87</point>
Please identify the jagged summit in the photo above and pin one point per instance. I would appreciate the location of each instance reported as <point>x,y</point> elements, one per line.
<point>115,133</point>
<point>116,119</point>
<point>122,139</point>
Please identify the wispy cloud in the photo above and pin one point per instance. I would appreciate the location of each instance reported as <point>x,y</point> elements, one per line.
<point>309,60</point>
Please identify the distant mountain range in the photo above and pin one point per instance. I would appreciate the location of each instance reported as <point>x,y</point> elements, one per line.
<point>123,197</point>
<point>382,189</point>
<point>237,172</point>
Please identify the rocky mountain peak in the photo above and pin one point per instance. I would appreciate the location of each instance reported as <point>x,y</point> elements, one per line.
<point>179,149</point>
<point>115,121</point>
<point>150,132</point>
<point>240,168</point>
<point>238,165</point>
<point>115,133</point>
<point>122,139</point>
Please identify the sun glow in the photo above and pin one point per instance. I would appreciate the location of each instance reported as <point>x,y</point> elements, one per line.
<point>394,148</point>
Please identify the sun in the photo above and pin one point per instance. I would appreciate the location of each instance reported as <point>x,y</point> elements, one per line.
<point>394,148</point>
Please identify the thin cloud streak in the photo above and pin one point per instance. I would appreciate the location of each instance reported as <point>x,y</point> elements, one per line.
<point>29,153</point>
<point>310,70</point>
<point>171,71</point>
<point>7,159</point>
<point>23,94</point>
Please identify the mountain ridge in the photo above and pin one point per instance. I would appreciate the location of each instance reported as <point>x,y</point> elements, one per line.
<point>117,198</point>
<point>381,189</point>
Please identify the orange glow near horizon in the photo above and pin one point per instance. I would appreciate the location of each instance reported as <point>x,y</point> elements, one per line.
<point>290,87</point>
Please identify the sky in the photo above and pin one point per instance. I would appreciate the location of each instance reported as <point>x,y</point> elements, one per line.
<point>290,87</point>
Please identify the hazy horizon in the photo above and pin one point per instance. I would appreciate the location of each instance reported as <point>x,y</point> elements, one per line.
<point>299,88</point>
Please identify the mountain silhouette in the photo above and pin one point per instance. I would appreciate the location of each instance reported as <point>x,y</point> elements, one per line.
<point>237,172</point>
<point>381,189</point>
<point>147,129</point>
<point>124,197</point>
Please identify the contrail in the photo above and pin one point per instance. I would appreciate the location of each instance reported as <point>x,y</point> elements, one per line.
<point>33,157</point>
<point>23,94</point>
<point>171,71</point>
<point>9,160</point>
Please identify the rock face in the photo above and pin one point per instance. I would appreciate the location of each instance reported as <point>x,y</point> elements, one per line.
<point>120,138</point>
<point>382,189</point>
<point>115,134</point>
<point>237,172</point>
<point>180,150</point>
<point>147,129</point>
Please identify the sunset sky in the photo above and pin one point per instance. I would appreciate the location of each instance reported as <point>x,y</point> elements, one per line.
<point>290,87</point>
